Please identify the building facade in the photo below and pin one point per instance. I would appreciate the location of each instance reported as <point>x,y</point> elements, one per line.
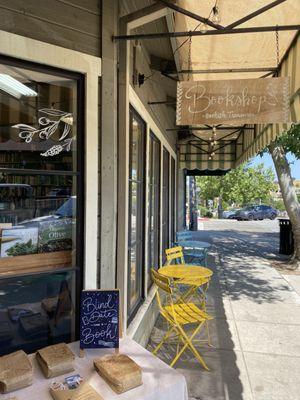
<point>86,202</point>
<point>91,161</point>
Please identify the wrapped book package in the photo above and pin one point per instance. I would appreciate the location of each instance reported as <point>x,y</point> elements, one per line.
<point>55,360</point>
<point>85,391</point>
<point>119,371</point>
<point>15,371</point>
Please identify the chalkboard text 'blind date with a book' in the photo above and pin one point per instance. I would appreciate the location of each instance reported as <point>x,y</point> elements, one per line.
<point>99,319</point>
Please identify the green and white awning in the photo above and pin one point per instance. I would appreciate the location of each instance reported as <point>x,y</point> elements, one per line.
<point>247,51</point>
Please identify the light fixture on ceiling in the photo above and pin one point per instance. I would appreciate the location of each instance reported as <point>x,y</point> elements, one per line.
<point>15,88</point>
<point>203,28</point>
<point>216,17</point>
<point>210,156</point>
<point>213,138</point>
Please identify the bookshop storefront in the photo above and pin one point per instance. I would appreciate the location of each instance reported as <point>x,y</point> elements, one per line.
<point>45,184</point>
<point>40,203</point>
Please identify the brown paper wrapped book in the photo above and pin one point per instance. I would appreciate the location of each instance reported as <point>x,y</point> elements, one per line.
<point>83,392</point>
<point>55,360</point>
<point>119,371</point>
<point>15,371</point>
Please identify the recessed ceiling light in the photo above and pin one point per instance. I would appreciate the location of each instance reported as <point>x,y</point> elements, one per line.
<point>15,88</point>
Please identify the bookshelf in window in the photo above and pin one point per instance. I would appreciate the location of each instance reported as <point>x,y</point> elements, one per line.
<point>35,263</point>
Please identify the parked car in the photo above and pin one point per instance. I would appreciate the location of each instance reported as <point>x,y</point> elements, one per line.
<point>67,211</point>
<point>230,214</point>
<point>256,212</point>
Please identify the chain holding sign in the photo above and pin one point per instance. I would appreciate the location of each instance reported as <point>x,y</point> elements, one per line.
<point>245,101</point>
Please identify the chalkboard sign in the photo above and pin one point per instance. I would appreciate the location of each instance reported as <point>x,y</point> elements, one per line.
<point>99,319</point>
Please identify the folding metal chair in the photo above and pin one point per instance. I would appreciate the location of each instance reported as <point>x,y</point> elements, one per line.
<point>178,315</point>
<point>194,252</point>
<point>175,254</point>
<point>184,235</point>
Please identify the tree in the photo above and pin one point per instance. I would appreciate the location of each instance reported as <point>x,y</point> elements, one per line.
<point>243,185</point>
<point>288,142</point>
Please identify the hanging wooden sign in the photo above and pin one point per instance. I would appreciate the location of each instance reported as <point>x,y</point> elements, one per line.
<point>245,101</point>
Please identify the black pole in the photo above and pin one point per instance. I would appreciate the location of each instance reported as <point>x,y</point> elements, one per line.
<point>193,204</point>
<point>221,71</point>
<point>209,32</point>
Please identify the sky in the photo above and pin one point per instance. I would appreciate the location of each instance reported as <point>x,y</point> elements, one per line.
<point>267,160</point>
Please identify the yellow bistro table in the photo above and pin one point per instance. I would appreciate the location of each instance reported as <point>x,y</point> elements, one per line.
<point>194,276</point>
<point>186,272</point>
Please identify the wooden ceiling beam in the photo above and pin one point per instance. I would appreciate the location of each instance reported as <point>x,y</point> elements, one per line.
<point>190,14</point>
<point>144,15</point>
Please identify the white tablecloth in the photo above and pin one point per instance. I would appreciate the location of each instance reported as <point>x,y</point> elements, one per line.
<point>160,382</point>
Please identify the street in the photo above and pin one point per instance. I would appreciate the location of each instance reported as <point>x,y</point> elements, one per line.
<point>263,235</point>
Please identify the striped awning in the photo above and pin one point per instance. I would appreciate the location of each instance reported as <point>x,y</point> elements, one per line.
<point>229,53</point>
<point>249,140</point>
<point>265,134</point>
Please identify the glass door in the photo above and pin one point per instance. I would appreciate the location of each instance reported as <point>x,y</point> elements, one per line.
<point>153,205</point>
<point>173,199</point>
<point>136,212</point>
<point>166,204</point>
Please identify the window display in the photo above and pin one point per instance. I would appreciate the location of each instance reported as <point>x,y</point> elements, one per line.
<point>40,177</point>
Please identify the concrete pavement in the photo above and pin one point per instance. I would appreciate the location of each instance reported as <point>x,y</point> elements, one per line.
<point>256,330</point>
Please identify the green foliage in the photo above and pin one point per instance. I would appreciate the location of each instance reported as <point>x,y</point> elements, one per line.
<point>290,140</point>
<point>278,204</point>
<point>205,212</point>
<point>243,185</point>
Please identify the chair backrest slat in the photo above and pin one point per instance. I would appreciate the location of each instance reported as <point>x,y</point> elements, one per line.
<point>175,253</point>
<point>184,235</point>
<point>161,281</point>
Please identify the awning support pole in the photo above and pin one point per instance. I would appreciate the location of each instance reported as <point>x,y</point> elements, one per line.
<point>225,31</point>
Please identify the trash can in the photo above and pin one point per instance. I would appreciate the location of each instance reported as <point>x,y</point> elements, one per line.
<point>286,238</point>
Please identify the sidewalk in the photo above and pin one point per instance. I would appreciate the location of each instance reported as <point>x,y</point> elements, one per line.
<point>256,330</point>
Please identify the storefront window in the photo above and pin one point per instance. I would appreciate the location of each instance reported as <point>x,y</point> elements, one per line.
<point>136,211</point>
<point>40,181</point>
<point>153,205</point>
<point>166,203</point>
<point>173,199</point>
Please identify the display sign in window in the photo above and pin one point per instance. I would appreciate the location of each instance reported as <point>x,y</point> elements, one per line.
<point>40,203</point>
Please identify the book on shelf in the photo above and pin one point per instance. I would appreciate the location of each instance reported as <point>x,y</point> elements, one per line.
<point>19,242</point>
<point>55,235</point>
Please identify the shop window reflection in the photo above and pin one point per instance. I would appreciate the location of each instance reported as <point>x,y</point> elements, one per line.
<point>39,177</point>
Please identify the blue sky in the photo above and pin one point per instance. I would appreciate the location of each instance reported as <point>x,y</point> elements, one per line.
<point>267,160</point>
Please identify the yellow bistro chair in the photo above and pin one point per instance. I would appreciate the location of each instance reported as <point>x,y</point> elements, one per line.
<point>175,254</point>
<point>178,315</point>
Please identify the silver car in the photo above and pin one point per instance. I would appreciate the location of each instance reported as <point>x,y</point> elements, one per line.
<point>256,212</point>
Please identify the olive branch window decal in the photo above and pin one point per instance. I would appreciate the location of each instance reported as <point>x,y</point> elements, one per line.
<point>47,127</point>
